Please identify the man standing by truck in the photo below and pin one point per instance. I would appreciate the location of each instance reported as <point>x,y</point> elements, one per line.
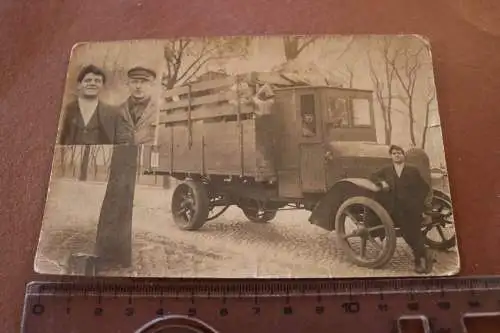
<point>114,232</point>
<point>404,193</point>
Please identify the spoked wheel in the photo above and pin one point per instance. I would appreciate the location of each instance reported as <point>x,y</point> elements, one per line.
<point>365,232</point>
<point>257,212</point>
<point>440,234</point>
<point>190,205</point>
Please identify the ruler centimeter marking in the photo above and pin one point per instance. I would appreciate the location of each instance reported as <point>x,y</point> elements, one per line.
<point>259,306</point>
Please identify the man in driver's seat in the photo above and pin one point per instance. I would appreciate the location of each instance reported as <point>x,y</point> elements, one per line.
<point>308,124</point>
<point>404,193</point>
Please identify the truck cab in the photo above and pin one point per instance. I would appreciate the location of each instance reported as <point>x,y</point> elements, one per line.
<point>325,134</point>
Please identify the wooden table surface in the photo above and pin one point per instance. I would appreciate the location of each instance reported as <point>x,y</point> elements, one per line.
<point>36,37</point>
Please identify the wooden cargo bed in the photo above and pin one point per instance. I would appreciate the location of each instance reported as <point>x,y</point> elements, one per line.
<point>214,128</point>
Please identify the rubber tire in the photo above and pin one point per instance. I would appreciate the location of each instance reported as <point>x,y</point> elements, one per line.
<point>390,234</point>
<point>268,216</point>
<point>201,206</point>
<point>449,243</point>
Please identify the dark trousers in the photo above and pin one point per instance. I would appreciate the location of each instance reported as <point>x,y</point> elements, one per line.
<point>410,222</point>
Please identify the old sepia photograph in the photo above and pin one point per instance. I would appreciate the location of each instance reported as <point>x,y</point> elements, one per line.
<point>316,156</point>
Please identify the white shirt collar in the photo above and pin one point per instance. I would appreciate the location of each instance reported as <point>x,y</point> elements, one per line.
<point>399,168</point>
<point>87,108</point>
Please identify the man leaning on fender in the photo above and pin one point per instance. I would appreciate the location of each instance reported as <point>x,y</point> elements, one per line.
<point>404,194</point>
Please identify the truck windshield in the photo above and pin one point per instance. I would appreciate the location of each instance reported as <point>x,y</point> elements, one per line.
<point>348,112</point>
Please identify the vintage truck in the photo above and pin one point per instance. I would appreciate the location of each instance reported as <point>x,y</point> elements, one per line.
<point>263,144</point>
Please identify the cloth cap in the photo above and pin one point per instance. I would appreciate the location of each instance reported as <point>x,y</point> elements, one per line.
<point>141,73</point>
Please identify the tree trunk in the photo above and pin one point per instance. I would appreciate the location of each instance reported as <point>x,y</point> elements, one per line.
<point>426,126</point>
<point>95,153</point>
<point>389,111</point>
<point>424,137</point>
<point>72,161</point>
<point>384,116</point>
<point>291,45</point>
<point>412,122</point>
<point>389,117</point>
<point>388,135</point>
<point>63,160</point>
<point>84,163</point>
<point>114,230</point>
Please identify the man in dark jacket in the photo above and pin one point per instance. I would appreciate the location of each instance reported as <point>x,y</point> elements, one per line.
<point>404,193</point>
<point>140,108</point>
<point>88,120</point>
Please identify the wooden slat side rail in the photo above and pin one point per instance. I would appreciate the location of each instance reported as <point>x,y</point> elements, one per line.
<point>222,96</point>
<point>195,101</point>
<point>206,113</point>
<point>200,86</point>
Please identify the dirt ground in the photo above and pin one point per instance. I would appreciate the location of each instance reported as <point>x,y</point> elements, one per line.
<point>229,246</point>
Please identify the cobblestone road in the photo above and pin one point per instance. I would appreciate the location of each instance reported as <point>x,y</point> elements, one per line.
<point>229,246</point>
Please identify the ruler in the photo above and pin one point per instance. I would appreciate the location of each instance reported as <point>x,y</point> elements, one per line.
<point>439,305</point>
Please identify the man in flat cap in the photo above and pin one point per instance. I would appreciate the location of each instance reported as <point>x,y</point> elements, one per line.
<point>404,192</point>
<point>140,109</point>
<point>114,231</point>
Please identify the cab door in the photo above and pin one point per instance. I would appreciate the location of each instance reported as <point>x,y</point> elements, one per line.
<point>310,140</point>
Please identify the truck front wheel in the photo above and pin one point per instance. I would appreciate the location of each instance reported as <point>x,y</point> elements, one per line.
<point>365,232</point>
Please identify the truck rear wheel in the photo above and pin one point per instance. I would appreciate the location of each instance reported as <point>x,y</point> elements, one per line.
<point>190,205</point>
<point>372,225</point>
<point>442,224</point>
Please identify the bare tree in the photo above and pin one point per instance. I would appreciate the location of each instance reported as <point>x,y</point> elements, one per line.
<point>294,45</point>
<point>105,157</point>
<point>350,76</point>
<point>62,160</point>
<point>430,97</point>
<point>406,65</point>
<point>186,57</point>
<point>383,83</point>
<point>72,160</point>
<point>84,163</point>
<point>94,155</point>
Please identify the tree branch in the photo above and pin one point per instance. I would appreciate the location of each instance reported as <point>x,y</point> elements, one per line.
<point>191,66</point>
<point>347,48</point>
<point>193,73</point>
<point>306,43</point>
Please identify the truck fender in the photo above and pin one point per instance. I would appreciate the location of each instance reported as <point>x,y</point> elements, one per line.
<point>323,213</point>
<point>441,194</point>
<point>364,183</point>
